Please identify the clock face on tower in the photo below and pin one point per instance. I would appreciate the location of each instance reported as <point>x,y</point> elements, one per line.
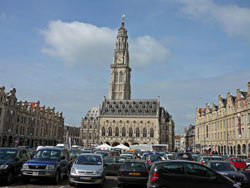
<point>120,60</point>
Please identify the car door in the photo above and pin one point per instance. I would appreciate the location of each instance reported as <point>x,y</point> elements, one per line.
<point>199,176</point>
<point>172,175</point>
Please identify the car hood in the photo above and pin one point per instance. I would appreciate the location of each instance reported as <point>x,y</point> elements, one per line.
<point>41,162</point>
<point>87,167</point>
<point>3,162</point>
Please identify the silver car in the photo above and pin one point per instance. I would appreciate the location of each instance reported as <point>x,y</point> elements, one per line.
<point>88,168</point>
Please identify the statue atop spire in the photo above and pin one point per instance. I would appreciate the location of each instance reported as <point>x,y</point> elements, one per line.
<point>123,16</point>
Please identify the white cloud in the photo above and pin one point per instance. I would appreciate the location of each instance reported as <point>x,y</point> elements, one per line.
<point>83,43</point>
<point>233,18</point>
<point>145,50</point>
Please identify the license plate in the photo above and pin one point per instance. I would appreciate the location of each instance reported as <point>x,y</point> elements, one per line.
<point>134,173</point>
<point>85,178</point>
<point>35,173</point>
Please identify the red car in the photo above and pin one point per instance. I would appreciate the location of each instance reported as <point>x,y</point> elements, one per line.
<point>238,162</point>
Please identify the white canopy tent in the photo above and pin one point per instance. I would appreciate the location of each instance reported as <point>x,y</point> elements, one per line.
<point>121,146</point>
<point>104,147</point>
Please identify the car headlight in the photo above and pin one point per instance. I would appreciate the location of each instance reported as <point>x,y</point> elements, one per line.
<point>3,166</point>
<point>99,172</point>
<point>73,171</point>
<point>25,166</point>
<point>50,167</point>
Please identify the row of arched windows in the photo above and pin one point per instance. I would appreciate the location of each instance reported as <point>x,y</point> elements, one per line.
<point>130,132</point>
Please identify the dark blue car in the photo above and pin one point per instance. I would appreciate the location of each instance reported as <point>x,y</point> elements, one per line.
<point>50,163</point>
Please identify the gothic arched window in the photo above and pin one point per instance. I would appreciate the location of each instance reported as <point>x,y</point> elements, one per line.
<point>123,131</point>
<point>151,132</point>
<point>137,133</point>
<point>121,77</point>
<point>130,132</point>
<point>103,131</point>
<point>116,131</point>
<point>116,77</point>
<point>144,132</point>
<point>110,131</point>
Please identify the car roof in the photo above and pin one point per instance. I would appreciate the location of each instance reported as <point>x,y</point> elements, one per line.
<point>97,154</point>
<point>53,148</point>
<point>215,161</point>
<point>134,160</point>
<point>12,148</point>
<point>175,161</point>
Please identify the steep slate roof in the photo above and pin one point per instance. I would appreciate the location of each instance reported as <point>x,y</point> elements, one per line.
<point>132,108</point>
<point>93,114</point>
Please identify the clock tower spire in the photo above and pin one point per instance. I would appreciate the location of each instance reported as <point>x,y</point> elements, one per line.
<point>119,86</point>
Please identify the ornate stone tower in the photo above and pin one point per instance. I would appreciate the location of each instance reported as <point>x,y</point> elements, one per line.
<point>119,86</point>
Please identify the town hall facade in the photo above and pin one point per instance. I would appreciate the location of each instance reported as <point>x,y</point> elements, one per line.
<point>122,120</point>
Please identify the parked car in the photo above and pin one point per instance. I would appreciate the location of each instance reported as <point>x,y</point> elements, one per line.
<point>127,156</point>
<point>247,161</point>
<point>246,171</point>
<point>50,163</point>
<point>168,156</point>
<point>11,162</point>
<point>227,169</point>
<point>73,154</point>
<point>152,158</point>
<point>132,172</point>
<point>183,156</point>
<point>113,164</point>
<point>88,168</point>
<point>204,159</point>
<point>237,162</point>
<point>186,174</point>
<point>103,153</point>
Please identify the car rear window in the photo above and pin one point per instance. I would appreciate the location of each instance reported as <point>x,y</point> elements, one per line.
<point>237,160</point>
<point>119,160</point>
<point>134,165</point>
<point>155,158</point>
<point>108,159</point>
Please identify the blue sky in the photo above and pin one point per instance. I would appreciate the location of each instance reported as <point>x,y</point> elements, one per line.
<point>185,51</point>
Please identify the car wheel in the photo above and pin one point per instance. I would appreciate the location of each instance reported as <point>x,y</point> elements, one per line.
<point>71,183</point>
<point>57,177</point>
<point>10,178</point>
<point>26,180</point>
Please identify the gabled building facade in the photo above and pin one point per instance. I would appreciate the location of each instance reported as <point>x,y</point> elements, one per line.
<point>225,128</point>
<point>28,123</point>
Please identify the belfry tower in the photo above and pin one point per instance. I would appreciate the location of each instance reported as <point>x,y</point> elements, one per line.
<point>119,86</point>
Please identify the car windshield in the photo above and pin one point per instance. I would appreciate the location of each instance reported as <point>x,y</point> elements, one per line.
<point>47,154</point>
<point>222,167</point>
<point>89,160</point>
<point>134,166</point>
<point>7,154</point>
